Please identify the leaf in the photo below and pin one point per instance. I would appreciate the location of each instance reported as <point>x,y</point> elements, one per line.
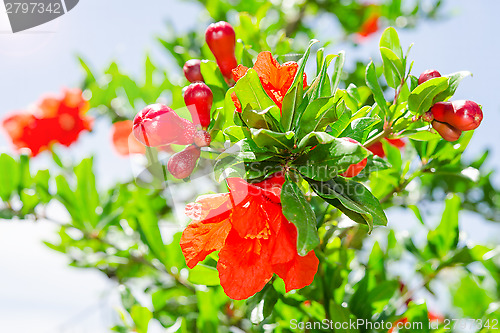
<point>453,82</point>
<point>444,238</point>
<point>315,138</point>
<point>421,98</point>
<point>204,275</point>
<point>327,160</point>
<point>394,70</point>
<point>266,138</point>
<point>354,196</point>
<point>343,122</point>
<point>372,83</point>
<point>250,92</point>
<point>321,85</point>
<point>337,71</point>
<point>390,40</point>
<point>293,97</point>
<point>360,128</point>
<point>317,115</point>
<point>9,176</point>
<point>299,211</point>
<point>262,118</point>
<point>141,317</point>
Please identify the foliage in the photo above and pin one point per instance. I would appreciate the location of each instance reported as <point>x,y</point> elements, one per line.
<point>119,231</point>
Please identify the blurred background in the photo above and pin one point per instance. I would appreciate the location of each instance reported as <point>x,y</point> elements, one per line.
<point>37,288</point>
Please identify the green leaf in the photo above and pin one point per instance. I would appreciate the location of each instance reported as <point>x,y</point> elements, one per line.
<point>394,70</point>
<point>372,83</point>
<point>360,128</point>
<point>337,71</point>
<point>293,97</point>
<point>421,98</point>
<point>204,275</point>
<point>453,82</point>
<point>9,176</point>
<point>149,230</point>
<point>141,317</point>
<point>299,211</point>
<point>266,138</point>
<point>317,115</point>
<point>390,40</point>
<point>266,118</point>
<point>343,122</point>
<point>444,238</point>
<point>354,196</point>
<point>315,138</point>
<point>327,160</point>
<point>250,92</point>
<point>321,85</point>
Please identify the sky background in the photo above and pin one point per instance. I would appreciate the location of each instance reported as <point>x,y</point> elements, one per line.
<point>38,291</point>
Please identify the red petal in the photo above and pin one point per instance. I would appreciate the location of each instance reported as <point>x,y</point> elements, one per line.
<point>299,272</point>
<point>284,242</point>
<point>201,238</point>
<point>236,102</point>
<point>239,72</point>
<point>271,187</point>
<point>243,266</point>
<point>251,211</point>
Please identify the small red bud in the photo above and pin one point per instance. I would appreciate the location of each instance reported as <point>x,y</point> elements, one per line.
<point>427,75</point>
<point>192,70</point>
<point>182,164</point>
<point>202,139</point>
<point>158,125</point>
<point>221,40</point>
<point>428,117</point>
<point>198,98</point>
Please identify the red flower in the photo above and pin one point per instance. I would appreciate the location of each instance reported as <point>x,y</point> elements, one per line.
<point>124,141</point>
<point>55,119</point>
<point>275,78</point>
<point>253,236</point>
<point>370,26</point>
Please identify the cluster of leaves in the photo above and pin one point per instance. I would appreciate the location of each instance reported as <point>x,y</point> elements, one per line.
<point>118,231</point>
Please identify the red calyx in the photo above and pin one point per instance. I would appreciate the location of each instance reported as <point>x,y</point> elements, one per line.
<point>447,132</point>
<point>354,169</point>
<point>427,75</point>
<point>198,98</point>
<point>192,70</point>
<point>182,164</point>
<point>463,115</point>
<point>202,139</point>
<point>158,125</point>
<point>221,40</point>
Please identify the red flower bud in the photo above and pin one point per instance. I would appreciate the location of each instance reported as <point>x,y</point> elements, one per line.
<point>428,116</point>
<point>202,139</point>
<point>192,70</point>
<point>158,125</point>
<point>447,132</point>
<point>182,164</point>
<point>467,115</point>
<point>354,169</point>
<point>427,75</point>
<point>463,115</point>
<point>198,98</point>
<point>221,40</point>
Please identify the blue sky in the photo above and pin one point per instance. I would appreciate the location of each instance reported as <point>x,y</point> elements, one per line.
<point>35,282</point>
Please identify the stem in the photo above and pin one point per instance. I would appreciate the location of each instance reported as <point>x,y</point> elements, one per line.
<point>379,136</point>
